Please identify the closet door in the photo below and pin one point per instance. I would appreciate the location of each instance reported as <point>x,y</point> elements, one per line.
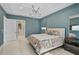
<point>10,29</point>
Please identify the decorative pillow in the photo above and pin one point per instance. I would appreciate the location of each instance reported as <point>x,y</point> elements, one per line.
<point>53,32</point>
<point>72,35</point>
<point>50,33</point>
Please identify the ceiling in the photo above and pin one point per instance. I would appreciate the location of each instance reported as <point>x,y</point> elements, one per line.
<point>35,10</point>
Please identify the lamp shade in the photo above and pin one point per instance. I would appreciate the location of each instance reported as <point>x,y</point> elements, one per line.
<point>43,28</point>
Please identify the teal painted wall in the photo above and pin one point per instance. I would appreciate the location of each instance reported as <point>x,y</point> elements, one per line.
<point>75,21</point>
<point>33,26</point>
<point>1,25</point>
<point>61,18</point>
<point>1,29</point>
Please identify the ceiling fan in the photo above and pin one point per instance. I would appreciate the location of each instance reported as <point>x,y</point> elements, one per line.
<point>35,11</point>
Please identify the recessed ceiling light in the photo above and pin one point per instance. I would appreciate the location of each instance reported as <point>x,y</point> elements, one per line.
<point>21,7</point>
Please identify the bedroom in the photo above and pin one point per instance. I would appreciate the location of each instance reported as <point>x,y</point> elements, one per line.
<point>38,19</point>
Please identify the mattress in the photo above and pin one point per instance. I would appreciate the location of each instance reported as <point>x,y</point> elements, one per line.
<point>43,36</point>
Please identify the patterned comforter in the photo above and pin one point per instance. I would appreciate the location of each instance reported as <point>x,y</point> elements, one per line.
<point>43,41</point>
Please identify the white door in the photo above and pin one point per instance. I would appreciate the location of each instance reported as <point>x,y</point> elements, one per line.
<point>10,29</point>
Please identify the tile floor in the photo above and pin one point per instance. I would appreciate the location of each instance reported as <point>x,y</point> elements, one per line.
<point>20,46</point>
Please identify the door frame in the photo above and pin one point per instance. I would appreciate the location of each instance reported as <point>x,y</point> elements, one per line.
<point>17,22</point>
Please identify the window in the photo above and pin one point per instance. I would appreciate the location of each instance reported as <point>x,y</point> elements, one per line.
<point>75,27</point>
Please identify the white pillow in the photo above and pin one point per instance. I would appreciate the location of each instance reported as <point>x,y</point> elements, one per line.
<point>72,35</point>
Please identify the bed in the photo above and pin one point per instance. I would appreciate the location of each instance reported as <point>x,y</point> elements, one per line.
<point>52,38</point>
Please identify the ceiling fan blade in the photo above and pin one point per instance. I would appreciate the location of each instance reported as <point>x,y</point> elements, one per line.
<point>38,8</point>
<point>35,11</point>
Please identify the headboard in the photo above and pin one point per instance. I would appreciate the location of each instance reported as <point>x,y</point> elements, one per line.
<point>57,31</point>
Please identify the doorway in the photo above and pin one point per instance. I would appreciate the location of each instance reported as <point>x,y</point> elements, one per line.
<point>20,24</point>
